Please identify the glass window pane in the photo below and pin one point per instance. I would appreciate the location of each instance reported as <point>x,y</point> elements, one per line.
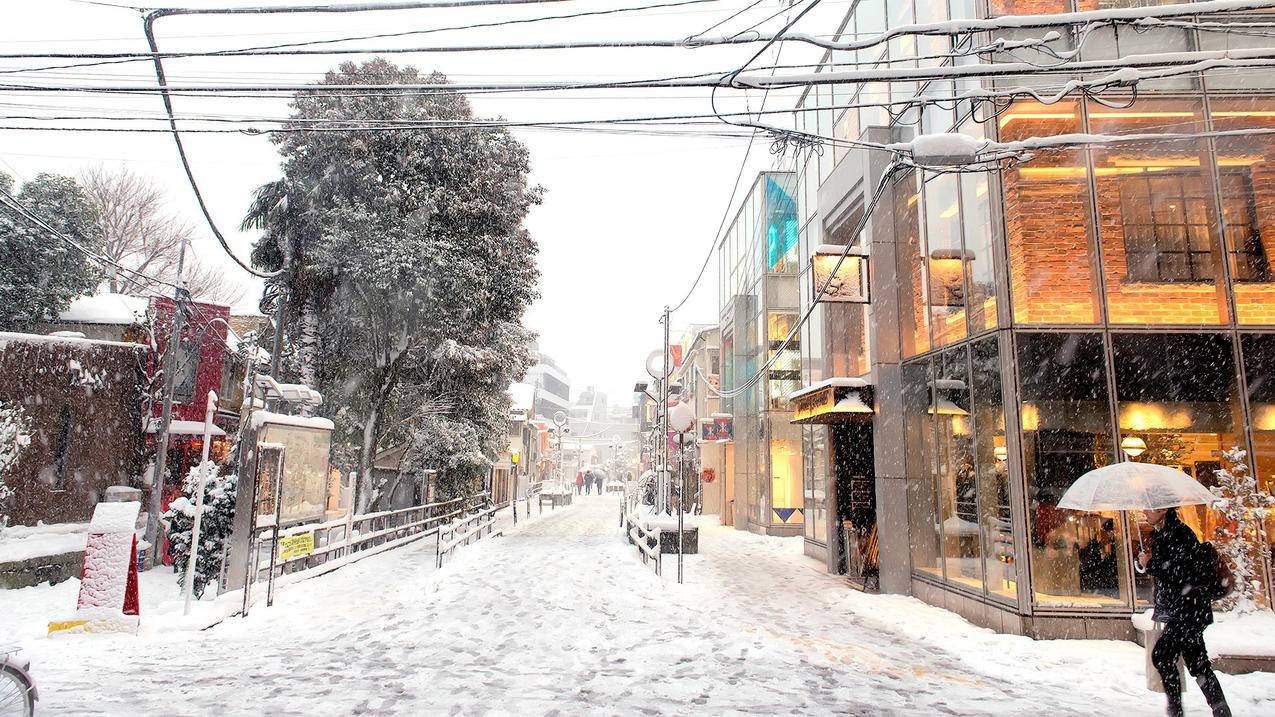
<point>1259,374</point>
<point>1248,210</point>
<point>958,478</point>
<point>1178,407</point>
<point>1157,194</point>
<point>914,316</point>
<point>979,261</point>
<point>945,259</point>
<point>918,428</point>
<point>786,505</point>
<point>1076,557</point>
<point>1051,275</point>
<point>990,461</point>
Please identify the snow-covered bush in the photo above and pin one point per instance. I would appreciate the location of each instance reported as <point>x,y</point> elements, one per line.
<point>1238,536</point>
<point>214,529</point>
<point>14,436</point>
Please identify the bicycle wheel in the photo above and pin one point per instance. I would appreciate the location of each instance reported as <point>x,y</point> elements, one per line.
<point>16,699</point>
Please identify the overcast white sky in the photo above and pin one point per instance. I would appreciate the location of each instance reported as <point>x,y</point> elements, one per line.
<point>626,219</point>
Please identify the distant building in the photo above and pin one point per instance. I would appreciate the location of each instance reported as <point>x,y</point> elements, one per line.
<point>553,388</point>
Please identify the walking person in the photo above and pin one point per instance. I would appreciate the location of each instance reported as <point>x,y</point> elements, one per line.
<point>580,483</point>
<point>1183,606</point>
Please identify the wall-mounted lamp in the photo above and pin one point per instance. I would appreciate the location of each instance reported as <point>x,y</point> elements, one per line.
<point>1133,446</point>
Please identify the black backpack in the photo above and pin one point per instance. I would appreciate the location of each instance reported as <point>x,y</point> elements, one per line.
<point>1218,579</point>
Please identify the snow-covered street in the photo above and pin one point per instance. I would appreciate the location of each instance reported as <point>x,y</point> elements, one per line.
<point>560,617</point>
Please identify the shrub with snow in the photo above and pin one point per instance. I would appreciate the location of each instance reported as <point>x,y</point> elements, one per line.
<point>14,436</point>
<point>1238,536</point>
<point>214,529</point>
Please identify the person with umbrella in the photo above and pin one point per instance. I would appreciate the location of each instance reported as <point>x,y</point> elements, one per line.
<point>1175,560</point>
<point>1183,606</point>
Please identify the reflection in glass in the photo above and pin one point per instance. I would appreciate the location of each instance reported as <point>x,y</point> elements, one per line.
<point>958,478</point>
<point>976,212</point>
<point>945,259</point>
<point>918,428</point>
<point>992,465</point>
<point>913,312</point>
<point>1076,557</point>
<point>785,372</point>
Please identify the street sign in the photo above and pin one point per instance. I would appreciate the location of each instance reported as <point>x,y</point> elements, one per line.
<point>296,546</point>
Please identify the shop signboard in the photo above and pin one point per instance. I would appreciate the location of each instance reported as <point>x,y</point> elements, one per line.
<point>849,283</point>
<point>304,490</point>
<point>718,429</point>
<point>812,404</point>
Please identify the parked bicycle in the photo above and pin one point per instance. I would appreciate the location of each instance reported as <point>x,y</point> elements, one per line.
<point>17,689</point>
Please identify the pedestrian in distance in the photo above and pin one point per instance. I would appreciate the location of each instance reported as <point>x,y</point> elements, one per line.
<point>1184,577</point>
<point>580,483</point>
<point>588,482</point>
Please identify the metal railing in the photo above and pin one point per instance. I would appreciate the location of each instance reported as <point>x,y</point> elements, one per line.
<point>338,542</point>
<point>464,531</point>
<point>635,530</point>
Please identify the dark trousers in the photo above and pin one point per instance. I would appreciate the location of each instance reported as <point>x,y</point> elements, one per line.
<point>1186,639</point>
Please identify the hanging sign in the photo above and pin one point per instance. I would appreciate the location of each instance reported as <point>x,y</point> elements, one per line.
<point>720,429</point>
<point>813,404</point>
<point>849,283</point>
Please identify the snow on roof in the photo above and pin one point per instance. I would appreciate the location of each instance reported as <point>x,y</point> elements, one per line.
<point>522,397</point>
<point>839,382</point>
<point>106,309</point>
<point>261,418</point>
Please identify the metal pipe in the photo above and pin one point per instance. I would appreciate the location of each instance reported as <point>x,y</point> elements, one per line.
<point>192,560</point>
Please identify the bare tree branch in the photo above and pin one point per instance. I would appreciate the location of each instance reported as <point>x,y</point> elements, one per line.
<point>139,233</point>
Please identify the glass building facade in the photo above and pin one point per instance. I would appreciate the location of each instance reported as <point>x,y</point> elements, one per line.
<point>758,259</point>
<point>1091,305</point>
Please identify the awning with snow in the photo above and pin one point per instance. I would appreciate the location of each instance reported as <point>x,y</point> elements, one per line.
<point>836,400</point>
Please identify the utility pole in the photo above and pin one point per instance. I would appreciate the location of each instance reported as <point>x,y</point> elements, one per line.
<point>664,482</point>
<point>166,415</point>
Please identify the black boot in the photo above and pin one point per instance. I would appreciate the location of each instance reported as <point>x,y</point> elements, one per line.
<point>1175,703</point>
<point>1212,690</point>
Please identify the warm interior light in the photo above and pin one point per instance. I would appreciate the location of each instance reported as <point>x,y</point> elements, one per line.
<point>1000,452</point>
<point>1133,446</point>
<point>944,407</point>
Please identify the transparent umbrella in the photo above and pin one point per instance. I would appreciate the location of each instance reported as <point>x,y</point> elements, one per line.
<point>1134,486</point>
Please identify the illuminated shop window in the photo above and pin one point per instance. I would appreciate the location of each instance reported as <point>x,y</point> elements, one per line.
<point>786,505</point>
<point>1157,208</point>
<point>1078,559</point>
<point>785,372</point>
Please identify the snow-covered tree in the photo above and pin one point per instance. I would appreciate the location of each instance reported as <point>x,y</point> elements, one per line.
<point>214,528</point>
<point>1238,536</point>
<point>15,434</point>
<point>407,270</point>
<point>40,274</point>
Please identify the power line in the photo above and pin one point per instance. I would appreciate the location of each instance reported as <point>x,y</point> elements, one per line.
<point>15,204</point>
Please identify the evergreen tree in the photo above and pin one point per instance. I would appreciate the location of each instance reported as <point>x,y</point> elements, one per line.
<point>40,274</point>
<point>407,270</point>
<point>1238,536</point>
<point>214,529</point>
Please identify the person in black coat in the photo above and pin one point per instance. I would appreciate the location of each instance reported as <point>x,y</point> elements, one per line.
<point>1184,609</point>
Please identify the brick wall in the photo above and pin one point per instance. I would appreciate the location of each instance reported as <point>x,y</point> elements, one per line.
<point>83,401</point>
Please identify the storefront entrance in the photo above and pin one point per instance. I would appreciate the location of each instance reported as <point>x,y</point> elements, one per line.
<point>856,504</point>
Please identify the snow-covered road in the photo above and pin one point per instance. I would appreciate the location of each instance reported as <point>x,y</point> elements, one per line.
<point>560,617</point>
